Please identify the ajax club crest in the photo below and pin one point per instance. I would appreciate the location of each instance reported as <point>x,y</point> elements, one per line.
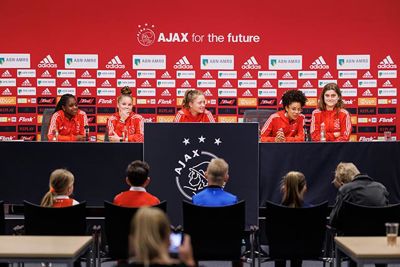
<point>190,170</point>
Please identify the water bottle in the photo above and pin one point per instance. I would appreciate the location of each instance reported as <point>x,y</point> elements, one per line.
<point>86,133</point>
<point>307,137</point>
<point>55,135</point>
<point>323,133</point>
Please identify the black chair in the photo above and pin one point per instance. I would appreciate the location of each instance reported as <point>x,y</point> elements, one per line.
<point>47,113</point>
<point>216,232</point>
<point>295,233</point>
<point>258,115</point>
<point>55,221</point>
<point>358,220</point>
<point>117,223</point>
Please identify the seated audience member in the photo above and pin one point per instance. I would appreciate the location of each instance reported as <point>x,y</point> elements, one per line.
<point>294,186</point>
<point>150,239</point>
<point>137,177</point>
<point>356,188</point>
<point>286,125</point>
<point>214,195</point>
<point>68,123</point>
<point>61,187</point>
<point>330,116</point>
<point>194,108</point>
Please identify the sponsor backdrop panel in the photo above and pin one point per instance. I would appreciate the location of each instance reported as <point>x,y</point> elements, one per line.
<point>239,56</point>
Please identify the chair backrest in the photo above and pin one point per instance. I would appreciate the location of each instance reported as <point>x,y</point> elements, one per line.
<point>216,232</point>
<point>295,233</point>
<point>358,220</point>
<point>47,113</point>
<point>117,223</point>
<point>258,115</point>
<point>55,221</point>
<point>2,219</point>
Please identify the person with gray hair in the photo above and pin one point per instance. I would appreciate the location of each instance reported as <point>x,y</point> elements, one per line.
<point>356,188</point>
<point>214,195</point>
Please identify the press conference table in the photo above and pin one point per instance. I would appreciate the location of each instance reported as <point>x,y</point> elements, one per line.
<point>55,249</point>
<point>366,250</point>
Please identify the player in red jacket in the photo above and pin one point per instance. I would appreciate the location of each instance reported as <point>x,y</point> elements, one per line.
<point>330,116</point>
<point>68,123</point>
<point>125,125</point>
<point>137,177</point>
<point>61,187</point>
<point>286,125</point>
<point>194,108</point>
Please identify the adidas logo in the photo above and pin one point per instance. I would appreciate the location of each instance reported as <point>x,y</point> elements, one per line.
<point>227,84</point>
<point>26,83</point>
<point>327,75</point>
<point>126,74</point>
<point>86,92</point>
<point>145,84</point>
<point>347,84</point>
<point>66,83</point>
<point>165,75</point>
<point>186,84</point>
<point>46,92</point>
<point>319,63</point>
<point>47,62</point>
<point>46,73</point>
<point>247,93</point>
<point>207,93</point>
<point>307,84</point>
<point>247,75</point>
<point>367,93</point>
<point>6,92</point>
<point>287,75</point>
<point>207,75</point>
<point>267,84</point>
<point>367,75</point>
<point>387,84</point>
<point>6,74</point>
<point>115,63</point>
<point>387,63</point>
<point>251,63</point>
<point>86,74</point>
<point>166,93</point>
<point>183,63</point>
<point>106,83</point>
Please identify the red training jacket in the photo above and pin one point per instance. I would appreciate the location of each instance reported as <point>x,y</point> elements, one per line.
<point>132,126</point>
<point>335,121</point>
<point>184,115</point>
<point>67,129</point>
<point>293,130</point>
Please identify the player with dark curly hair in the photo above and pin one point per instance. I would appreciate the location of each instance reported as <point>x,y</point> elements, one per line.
<point>286,125</point>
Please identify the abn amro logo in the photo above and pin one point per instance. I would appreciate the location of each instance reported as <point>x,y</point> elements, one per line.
<point>146,35</point>
<point>2,59</point>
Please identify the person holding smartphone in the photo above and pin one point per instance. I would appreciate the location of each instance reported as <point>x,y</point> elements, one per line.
<point>150,241</point>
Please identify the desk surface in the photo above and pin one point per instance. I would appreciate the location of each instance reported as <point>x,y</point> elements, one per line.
<point>42,246</point>
<point>368,247</point>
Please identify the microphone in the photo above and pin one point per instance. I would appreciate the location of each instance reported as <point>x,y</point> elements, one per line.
<point>86,132</point>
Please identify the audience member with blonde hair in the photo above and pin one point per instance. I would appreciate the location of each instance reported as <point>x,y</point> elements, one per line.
<point>149,241</point>
<point>214,195</point>
<point>61,186</point>
<point>356,188</point>
<point>293,187</point>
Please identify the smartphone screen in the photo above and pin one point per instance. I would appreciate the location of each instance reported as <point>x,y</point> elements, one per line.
<point>175,242</point>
